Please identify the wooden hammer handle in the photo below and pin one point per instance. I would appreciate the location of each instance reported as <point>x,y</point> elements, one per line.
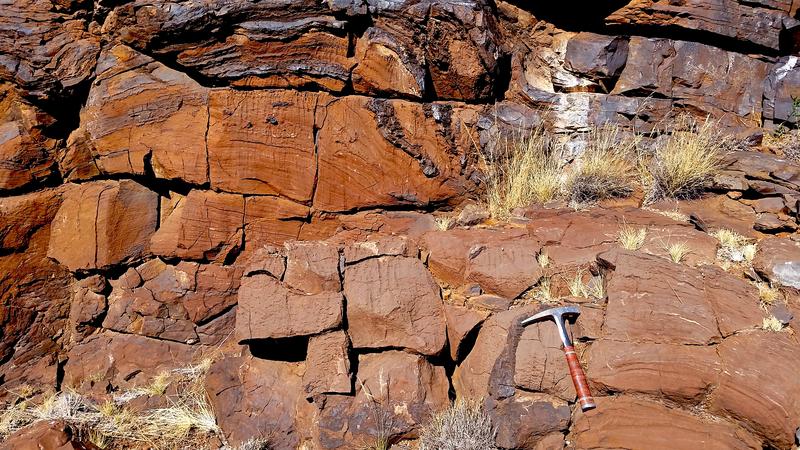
<point>579,379</point>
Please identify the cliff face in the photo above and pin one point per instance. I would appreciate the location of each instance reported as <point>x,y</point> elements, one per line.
<point>255,182</point>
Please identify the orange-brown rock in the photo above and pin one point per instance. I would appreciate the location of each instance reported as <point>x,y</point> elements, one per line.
<point>34,304</point>
<point>250,395</point>
<point>44,435</point>
<point>506,269</point>
<point>449,250</point>
<point>488,370</point>
<point>142,116</point>
<point>263,143</point>
<point>46,47</point>
<point>88,305</point>
<point>27,154</point>
<point>778,260</point>
<point>620,422</point>
<point>375,152</point>
<point>540,365</point>
<point>267,310</point>
<point>328,368</point>
<point>387,66</point>
<point>201,225</point>
<point>380,245</point>
<point>394,302</point>
<point>169,301</point>
<point>23,215</point>
<point>397,393</point>
<point>668,306</point>
<point>760,23</point>
<point>311,59</point>
<point>121,361</point>
<point>103,223</point>
<point>312,267</point>
<point>758,386</point>
<point>461,322</point>
<point>272,220</point>
<point>523,420</point>
<point>681,372</point>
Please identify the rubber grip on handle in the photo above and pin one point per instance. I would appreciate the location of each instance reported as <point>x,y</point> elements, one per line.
<point>579,379</point>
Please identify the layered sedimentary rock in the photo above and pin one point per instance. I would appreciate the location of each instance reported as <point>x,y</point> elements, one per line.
<point>263,195</point>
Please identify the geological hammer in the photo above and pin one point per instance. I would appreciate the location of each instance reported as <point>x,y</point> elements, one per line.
<point>559,315</point>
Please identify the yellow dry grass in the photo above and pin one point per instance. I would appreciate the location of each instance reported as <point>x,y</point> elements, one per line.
<point>526,170</point>
<point>188,417</point>
<point>463,426</point>
<point>685,161</point>
<point>767,294</point>
<point>444,223</point>
<point>543,259</point>
<point>677,251</point>
<point>771,324</point>
<point>606,168</point>
<point>631,238</point>
<point>733,247</point>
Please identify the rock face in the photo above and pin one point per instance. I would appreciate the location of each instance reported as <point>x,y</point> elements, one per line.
<point>103,223</point>
<point>394,302</point>
<point>282,199</point>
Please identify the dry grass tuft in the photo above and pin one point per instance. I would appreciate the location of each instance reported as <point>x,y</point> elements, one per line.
<point>677,251</point>
<point>543,291</point>
<point>462,426</point>
<point>686,160</point>
<point>444,223</point>
<point>256,444</point>
<point>631,238</point>
<point>606,168</point>
<point>187,420</point>
<point>527,170</point>
<point>771,324</point>
<point>158,386</point>
<point>576,286</point>
<point>543,259</point>
<point>595,288</point>
<point>734,248</point>
<point>768,294</point>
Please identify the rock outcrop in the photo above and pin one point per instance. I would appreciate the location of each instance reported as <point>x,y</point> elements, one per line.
<point>278,200</point>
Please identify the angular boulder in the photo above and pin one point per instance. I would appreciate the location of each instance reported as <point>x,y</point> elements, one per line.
<point>137,112</point>
<point>312,267</point>
<point>268,310</point>
<point>506,269</point>
<point>27,154</point>
<point>760,383</point>
<point>199,226</point>
<point>118,217</point>
<point>618,422</point>
<point>328,368</point>
<point>394,302</point>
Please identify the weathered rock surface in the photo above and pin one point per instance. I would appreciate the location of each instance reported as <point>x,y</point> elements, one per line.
<point>269,310</point>
<point>617,423</point>
<point>397,392</point>
<point>250,395</point>
<point>763,381</point>
<point>103,223</point>
<point>271,186</point>
<point>138,110</point>
<point>394,302</point>
<point>200,225</point>
<point>27,154</point>
<point>778,260</point>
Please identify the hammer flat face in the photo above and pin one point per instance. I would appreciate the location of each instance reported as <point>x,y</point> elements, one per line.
<point>555,313</point>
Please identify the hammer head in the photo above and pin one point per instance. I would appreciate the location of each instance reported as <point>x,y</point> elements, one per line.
<point>556,313</point>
